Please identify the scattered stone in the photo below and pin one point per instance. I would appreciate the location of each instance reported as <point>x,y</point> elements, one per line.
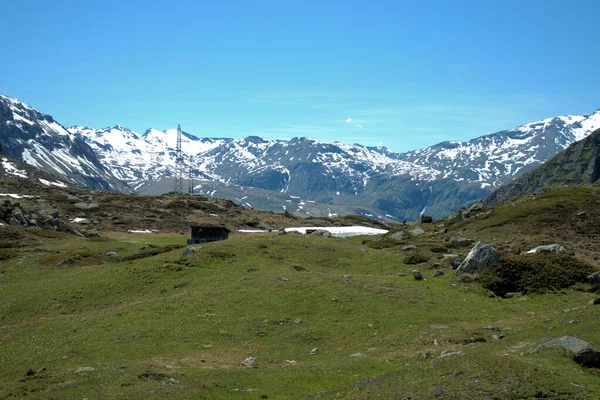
<point>370,325</point>
<point>314,351</point>
<point>321,232</point>
<point>594,278</point>
<point>409,247</point>
<point>438,326</point>
<point>495,328</point>
<point>477,206</point>
<point>282,232</point>
<point>426,354</point>
<point>417,275</point>
<point>297,321</point>
<point>347,276</point>
<point>82,370</point>
<point>449,353</point>
<point>436,264</point>
<point>509,295</point>
<point>190,250</point>
<point>481,257</point>
<point>438,273</point>
<point>550,248</point>
<point>111,254</point>
<point>498,337</point>
<point>358,355</point>
<point>456,261</point>
<point>583,352</point>
<point>249,362</point>
<point>299,268</point>
<point>460,241</point>
<point>173,381</point>
<point>243,278</point>
<point>530,313</point>
<point>30,372</point>
<point>595,301</point>
<point>283,279</point>
<point>417,231</point>
<point>85,206</point>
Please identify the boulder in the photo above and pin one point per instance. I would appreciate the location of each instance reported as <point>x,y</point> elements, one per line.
<point>477,206</point>
<point>583,353</point>
<point>438,273</point>
<point>409,247</point>
<point>322,232</point>
<point>190,250</point>
<point>249,362</point>
<point>550,248</point>
<point>282,232</point>
<point>417,275</point>
<point>481,257</point>
<point>417,231</point>
<point>594,278</point>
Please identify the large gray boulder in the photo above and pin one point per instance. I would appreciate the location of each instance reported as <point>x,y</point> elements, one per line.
<point>583,353</point>
<point>481,257</point>
<point>594,278</point>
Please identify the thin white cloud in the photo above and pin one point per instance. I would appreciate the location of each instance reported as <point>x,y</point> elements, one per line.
<point>349,120</point>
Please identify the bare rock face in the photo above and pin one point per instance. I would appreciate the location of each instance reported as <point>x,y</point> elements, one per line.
<point>481,257</point>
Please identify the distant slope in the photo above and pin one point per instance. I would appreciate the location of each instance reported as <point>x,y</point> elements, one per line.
<point>36,138</point>
<point>579,164</point>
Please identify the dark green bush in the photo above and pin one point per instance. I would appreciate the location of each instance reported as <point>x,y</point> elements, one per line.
<point>535,273</point>
<point>415,258</point>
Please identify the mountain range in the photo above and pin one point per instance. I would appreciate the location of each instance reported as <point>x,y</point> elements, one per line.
<point>301,175</point>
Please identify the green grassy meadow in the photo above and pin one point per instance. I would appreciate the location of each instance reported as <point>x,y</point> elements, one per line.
<point>155,326</point>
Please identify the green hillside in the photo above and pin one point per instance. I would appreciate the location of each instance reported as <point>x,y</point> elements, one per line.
<point>150,322</point>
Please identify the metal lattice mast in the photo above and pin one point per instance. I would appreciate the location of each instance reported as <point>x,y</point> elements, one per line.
<point>179,164</point>
<point>191,175</point>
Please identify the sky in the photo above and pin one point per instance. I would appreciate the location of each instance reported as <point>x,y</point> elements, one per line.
<point>402,74</point>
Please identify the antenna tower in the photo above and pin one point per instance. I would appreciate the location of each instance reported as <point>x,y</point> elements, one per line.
<point>191,175</point>
<point>179,164</point>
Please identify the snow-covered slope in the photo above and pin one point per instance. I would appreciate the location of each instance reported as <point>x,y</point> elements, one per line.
<point>498,158</point>
<point>33,137</point>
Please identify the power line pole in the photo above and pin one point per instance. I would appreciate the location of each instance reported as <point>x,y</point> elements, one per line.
<point>191,175</point>
<point>179,164</point>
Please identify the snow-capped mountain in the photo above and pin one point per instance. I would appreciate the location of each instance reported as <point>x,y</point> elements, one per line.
<point>33,137</point>
<point>376,180</point>
<point>500,157</point>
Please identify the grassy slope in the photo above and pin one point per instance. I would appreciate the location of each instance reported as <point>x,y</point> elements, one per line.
<point>141,322</point>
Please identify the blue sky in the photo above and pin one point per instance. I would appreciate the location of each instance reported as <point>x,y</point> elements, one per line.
<point>401,74</point>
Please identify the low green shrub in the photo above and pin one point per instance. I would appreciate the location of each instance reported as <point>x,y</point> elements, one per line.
<point>535,273</point>
<point>7,253</point>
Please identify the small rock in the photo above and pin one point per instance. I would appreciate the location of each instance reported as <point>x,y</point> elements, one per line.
<point>530,313</point>
<point>409,247</point>
<point>173,381</point>
<point>449,353</point>
<point>438,273</point>
<point>243,278</point>
<point>297,321</point>
<point>550,248</point>
<point>509,295</point>
<point>347,276</point>
<point>111,254</point>
<point>82,370</point>
<point>417,275</point>
<point>30,372</point>
<point>283,279</point>
<point>426,354</point>
<point>314,351</point>
<point>190,250</point>
<point>370,325</point>
<point>498,337</point>
<point>298,268</point>
<point>495,328</point>
<point>249,362</point>
<point>438,326</point>
<point>595,301</point>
